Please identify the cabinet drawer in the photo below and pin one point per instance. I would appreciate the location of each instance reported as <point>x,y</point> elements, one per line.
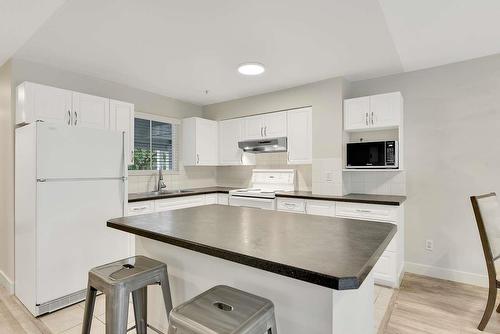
<point>320,208</point>
<point>291,205</point>
<point>367,211</point>
<point>223,199</point>
<point>210,199</point>
<point>139,208</point>
<point>179,202</point>
<point>385,271</point>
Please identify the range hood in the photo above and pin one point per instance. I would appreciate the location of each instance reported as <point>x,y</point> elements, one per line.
<point>264,145</point>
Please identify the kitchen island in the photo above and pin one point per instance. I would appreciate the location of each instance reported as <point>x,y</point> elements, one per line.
<point>316,270</point>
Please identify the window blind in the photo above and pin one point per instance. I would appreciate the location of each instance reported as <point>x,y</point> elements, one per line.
<point>155,145</point>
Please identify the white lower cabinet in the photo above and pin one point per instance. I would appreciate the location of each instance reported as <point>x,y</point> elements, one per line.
<point>142,207</point>
<point>210,199</point>
<point>320,208</point>
<point>179,202</point>
<point>389,267</point>
<point>223,199</point>
<point>291,205</point>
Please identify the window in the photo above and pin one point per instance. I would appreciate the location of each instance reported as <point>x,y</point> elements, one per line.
<point>155,143</point>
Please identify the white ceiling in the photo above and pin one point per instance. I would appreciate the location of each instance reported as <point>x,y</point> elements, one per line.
<point>182,48</point>
<point>19,19</point>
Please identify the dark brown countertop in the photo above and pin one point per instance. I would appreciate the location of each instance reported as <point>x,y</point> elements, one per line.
<point>136,197</point>
<point>356,198</point>
<point>332,252</point>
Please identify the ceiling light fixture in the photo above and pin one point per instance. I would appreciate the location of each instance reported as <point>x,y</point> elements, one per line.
<point>251,69</point>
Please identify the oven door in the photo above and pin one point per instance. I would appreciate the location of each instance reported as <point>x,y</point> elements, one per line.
<point>253,202</point>
<point>366,155</point>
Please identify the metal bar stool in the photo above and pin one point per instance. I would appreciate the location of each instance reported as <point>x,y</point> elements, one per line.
<point>223,310</point>
<point>117,280</point>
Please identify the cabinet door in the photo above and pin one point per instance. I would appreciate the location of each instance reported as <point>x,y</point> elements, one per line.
<point>299,131</point>
<point>90,111</point>
<point>357,113</point>
<point>229,135</point>
<point>121,118</point>
<point>385,110</point>
<point>275,124</point>
<point>320,208</point>
<point>39,102</point>
<point>206,142</point>
<point>253,127</point>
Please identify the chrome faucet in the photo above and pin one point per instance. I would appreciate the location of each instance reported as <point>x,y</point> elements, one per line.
<point>161,185</point>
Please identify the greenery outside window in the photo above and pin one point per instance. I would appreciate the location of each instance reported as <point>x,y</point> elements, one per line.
<point>155,143</point>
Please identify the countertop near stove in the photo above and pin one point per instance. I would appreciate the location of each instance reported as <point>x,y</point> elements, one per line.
<point>332,252</point>
<point>136,197</point>
<point>355,198</point>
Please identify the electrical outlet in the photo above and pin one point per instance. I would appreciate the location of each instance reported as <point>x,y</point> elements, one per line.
<point>429,245</point>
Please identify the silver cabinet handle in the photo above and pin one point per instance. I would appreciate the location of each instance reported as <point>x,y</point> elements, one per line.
<point>261,133</point>
<point>197,158</point>
<point>76,118</point>
<point>139,208</point>
<point>265,131</point>
<point>366,118</point>
<point>69,117</point>
<point>365,211</point>
<point>290,205</point>
<point>241,158</point>
<point>372,117</point>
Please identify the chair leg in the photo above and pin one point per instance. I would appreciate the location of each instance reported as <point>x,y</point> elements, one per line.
<point>498,308</point>
<point>89,309</point>
<point>140,300</point>
<point>117,311</point>
<point>165,288</point>
<point>490,305</point>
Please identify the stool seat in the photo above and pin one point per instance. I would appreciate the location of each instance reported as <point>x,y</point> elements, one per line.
<point>117,280</point>
<point>223,310</point>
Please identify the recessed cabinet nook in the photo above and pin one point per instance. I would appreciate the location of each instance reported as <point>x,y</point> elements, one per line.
<point>212,143</point>
<point>36,102</point>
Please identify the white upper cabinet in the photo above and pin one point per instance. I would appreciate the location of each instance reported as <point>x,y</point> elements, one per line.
<point>299,124</point>
<point>385,110</point>
<point>90,111</point>
<point>121,118</point>
<point>230,133</point>
<point>270,125</point>
<point>199,142</point>
<point>373,112</point>
<point>38,102</point>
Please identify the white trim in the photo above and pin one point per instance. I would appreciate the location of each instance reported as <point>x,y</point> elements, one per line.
<point>157,118</point>
<point>447,274</point>
<point>6,283</point>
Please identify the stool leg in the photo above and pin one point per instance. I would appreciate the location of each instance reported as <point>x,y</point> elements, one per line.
<point>117,311</point>
<point>165,288</point>
<point>89,309</point>
<point>273,329</point>
<point>140,300</point>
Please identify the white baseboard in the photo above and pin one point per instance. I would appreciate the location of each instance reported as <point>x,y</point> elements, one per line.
<point>447,274</point>
<point>6,282</point>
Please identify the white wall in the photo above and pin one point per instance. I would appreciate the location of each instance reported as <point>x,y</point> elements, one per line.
<point>325,97</point>
<point>6,179</point>
<point>452,145</point>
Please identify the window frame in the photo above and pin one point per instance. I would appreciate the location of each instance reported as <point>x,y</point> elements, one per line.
<point>163,119</point>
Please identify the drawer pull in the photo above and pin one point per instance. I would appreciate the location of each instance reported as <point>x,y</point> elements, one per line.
<point>290,205</point>
<point>364,211</point>
<point>139,208</point>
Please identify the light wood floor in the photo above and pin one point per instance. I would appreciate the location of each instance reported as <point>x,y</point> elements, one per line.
<point>422,305</point>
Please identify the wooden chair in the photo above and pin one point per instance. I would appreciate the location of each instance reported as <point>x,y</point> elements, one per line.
<point>487,213</point>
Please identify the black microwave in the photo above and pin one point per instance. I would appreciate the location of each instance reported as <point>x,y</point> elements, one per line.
<point>376,154</point>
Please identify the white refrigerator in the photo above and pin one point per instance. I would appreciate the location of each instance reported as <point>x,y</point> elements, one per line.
<point>69,181</point>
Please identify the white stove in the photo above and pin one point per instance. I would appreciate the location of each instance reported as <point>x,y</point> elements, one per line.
<point>265,184</point>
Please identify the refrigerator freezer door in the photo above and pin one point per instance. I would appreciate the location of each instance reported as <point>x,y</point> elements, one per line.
<point>65,152</point>
<point>72,236</point>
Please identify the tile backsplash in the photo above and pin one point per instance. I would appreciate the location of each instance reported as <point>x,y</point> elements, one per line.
<point>186,177</point>
<point>379,183</point>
